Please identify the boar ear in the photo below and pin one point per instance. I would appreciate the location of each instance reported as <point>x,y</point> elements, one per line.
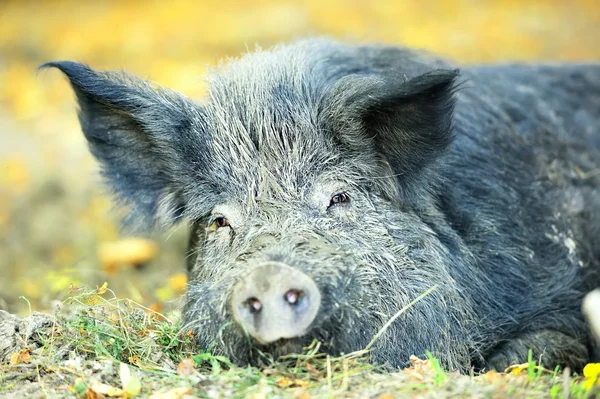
<point>408,122</point>
<point>147,140</point>
<point>411,122</point>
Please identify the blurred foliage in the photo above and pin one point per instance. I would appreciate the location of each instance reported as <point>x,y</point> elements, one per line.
<point>56,221</point>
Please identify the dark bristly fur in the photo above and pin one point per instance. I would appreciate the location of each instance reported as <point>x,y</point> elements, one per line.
<point>491,192</point>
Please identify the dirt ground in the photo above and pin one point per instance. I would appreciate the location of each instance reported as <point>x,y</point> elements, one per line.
<point>97,346</point>
<point>56,219</point>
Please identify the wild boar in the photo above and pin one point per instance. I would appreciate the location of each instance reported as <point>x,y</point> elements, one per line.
<point>328,185</point>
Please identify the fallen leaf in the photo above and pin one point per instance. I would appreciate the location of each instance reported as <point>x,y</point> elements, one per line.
<point>156,307</point>
<point>131,385</point>
<point>186,367</point>
<point>89,394</point>
<point>134,359</point>
<point>22,356</point>
<point>285,382</point>
<point>516,369</point>
<point>178,283</point>
<point>419,368</point>
<point>104,389</point>
<point>591,372</point>
<point>491,376</point>
<point>413,375</point>
<point>91,300</point>
<point>132,251</point>
<point>102,289</point>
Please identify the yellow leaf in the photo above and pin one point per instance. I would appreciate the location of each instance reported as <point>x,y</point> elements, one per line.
<point>156,307</point>
<point>131,385</point>
<point>285,382</point>
<point>588,383</point>
<point>516,369</point>
<point>491,376</point>
<point>134,359</point>
<point>186,367</point>
<point>132,251</point>
<point>104,389</point>
<point>133,388</point>
<point>102,289</point>
<point>299,383</point>
<point>22,356</point>
<point>90,300</point>
<point>419,368</point>
<point>591,372</point>
<point>178,283</point>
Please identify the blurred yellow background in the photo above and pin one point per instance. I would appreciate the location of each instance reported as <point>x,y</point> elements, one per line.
<point>57,226</point>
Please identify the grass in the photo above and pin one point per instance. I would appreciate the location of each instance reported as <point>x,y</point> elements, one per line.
<point>82,353</point>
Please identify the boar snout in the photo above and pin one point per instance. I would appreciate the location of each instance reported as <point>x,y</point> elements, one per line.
<point>275,301</point>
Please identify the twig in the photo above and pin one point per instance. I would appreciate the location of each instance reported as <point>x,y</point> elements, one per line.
<point>398,314</point>
<point>567,383</point>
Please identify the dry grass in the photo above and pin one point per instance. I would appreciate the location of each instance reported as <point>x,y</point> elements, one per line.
<point>55,217</point>
<point>94,332</point>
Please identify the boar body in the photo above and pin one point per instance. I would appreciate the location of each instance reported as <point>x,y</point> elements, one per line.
<point>329,185</point>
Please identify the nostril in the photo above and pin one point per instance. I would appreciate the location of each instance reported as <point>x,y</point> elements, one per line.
<point>293,296</point>
<point>253,304</point>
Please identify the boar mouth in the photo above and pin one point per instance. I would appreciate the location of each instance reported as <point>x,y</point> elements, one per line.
<point>286,347</point>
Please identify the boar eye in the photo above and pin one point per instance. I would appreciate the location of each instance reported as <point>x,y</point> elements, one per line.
<point>339,199</point>
<point>218,223</point>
